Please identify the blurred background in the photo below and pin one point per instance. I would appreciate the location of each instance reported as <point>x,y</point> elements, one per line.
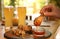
<point>33,6</point>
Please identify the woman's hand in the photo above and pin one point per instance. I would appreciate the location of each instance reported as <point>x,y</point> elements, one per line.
<point>50,11</point>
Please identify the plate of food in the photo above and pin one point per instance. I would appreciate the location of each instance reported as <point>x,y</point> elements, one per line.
<point>26,32</point>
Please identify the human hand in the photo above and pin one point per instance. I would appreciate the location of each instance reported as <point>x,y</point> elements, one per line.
<point>50,11</point>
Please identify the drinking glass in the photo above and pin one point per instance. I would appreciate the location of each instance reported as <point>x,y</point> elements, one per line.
<point>8,14</point>
<point>21,15</point>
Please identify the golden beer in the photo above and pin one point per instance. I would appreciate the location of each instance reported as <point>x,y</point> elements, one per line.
<point>21,15</point>
<point>8,14</point>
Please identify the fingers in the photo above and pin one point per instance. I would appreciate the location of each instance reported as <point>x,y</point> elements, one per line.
<point>49,14</point>
<point>46,10</point>
<point>50,11</point>
<point>42,10</point>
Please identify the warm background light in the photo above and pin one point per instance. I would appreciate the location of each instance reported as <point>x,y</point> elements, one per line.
<point>32,6</point>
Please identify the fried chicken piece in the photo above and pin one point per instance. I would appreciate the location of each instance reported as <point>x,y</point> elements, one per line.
<point>38,20</point>
<point>28,29</point>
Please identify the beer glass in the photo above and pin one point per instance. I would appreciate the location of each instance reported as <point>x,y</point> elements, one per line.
<point>21,15</point>
<point>8,14</point>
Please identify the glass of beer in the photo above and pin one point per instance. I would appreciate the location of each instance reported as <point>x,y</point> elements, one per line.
<point>21,15</point>
<point>8,14</point>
